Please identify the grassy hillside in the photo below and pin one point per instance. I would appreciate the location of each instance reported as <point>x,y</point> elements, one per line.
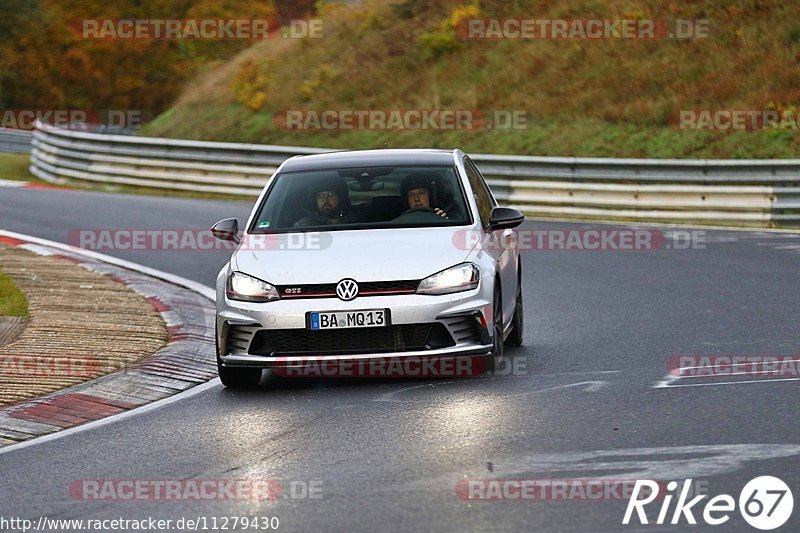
<point>601,98</point>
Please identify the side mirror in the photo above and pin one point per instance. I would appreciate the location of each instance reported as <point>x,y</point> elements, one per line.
<point>504,218</point>
<point>227,230</point>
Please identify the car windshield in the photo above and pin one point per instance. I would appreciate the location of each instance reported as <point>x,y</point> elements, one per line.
<point>363,198</point>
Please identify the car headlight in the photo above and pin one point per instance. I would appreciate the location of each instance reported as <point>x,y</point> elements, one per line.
<point>455,279</point>
<point>249,289</point>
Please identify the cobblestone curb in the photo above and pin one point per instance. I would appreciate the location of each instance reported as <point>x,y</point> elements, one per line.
<point>185,361</point>
<point>83,325</point>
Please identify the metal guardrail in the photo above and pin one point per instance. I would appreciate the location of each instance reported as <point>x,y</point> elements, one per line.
<point>737,192</point>
<point>14,141</point>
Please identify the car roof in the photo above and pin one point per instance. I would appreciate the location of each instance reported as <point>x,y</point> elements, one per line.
<point>368,158</point>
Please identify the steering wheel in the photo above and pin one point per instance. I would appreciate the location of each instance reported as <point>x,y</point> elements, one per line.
<point>419,215</point>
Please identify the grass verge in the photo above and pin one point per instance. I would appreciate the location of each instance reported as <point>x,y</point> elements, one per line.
<point>15,167</point>
<point>12,300</point>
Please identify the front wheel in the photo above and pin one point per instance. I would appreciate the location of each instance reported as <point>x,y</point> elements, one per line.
<point>493,359</point>
<point>517,323</point>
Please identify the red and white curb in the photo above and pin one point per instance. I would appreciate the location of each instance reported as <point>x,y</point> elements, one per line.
<point>186,361</point>
<point>14,184</point>
<point>27,185</point>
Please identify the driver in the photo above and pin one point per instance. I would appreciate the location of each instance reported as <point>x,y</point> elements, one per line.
<point>420,191</point>
<point>329,203</point>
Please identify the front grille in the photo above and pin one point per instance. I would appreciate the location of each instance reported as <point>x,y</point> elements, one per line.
<point>397,338</point>
<point>388,286</point>
<point>367,288</point>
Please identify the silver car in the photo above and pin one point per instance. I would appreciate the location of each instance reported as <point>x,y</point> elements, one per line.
<point>367,255</point>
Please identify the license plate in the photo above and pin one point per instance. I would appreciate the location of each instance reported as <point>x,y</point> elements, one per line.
<point>370,318</point>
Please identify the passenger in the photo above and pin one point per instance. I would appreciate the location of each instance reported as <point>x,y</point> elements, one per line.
<point>328,203</point>
<point>419,190</point>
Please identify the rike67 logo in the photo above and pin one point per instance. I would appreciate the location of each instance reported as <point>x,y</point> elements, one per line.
<point>765,503</point>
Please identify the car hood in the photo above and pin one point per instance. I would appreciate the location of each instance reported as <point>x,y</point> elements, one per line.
<point>364,255</point>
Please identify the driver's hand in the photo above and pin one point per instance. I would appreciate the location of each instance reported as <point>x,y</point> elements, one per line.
<point>440,212</point>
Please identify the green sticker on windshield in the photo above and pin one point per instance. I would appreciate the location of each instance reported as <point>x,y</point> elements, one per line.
<point>264,224</point>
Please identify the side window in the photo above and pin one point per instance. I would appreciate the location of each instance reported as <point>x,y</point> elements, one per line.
<point>480,190</point>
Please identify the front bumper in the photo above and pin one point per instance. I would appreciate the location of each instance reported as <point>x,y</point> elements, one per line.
<point>465,316</point>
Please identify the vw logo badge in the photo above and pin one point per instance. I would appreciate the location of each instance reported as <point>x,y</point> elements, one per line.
<point>347,289</point>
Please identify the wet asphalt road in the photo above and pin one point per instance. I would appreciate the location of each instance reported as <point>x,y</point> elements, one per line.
<point>583,400</point>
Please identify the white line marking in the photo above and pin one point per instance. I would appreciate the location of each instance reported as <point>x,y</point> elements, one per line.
<point>672,377</point>
<point>592,386</point>
<point>745,382</point>
<point>387,397</point>
<point>114,418</point>
<point>10,183</point>
<point>669,378</point>
<point>751,363</point>
<point>669,462</point>
<point>581,373</point>
<point>755,373</point>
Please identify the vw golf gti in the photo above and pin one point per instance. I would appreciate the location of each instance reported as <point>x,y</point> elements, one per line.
<point>364,255</point>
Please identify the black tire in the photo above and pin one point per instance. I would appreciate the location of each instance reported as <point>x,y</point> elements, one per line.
<point>239,378</point>
<point>515,338</point>
<point>494,358</point>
